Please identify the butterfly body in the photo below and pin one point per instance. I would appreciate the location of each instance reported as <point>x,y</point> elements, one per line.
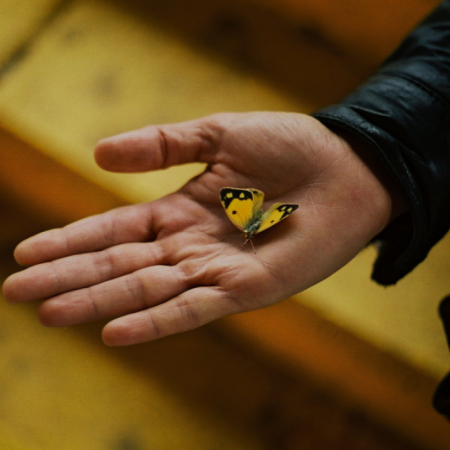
<point>253,226</point>
<point>243,208</point>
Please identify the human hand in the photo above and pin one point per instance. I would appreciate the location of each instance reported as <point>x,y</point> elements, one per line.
<point>177,263</point>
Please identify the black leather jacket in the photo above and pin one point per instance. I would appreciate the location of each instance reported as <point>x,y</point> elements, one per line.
<point>403,114</point>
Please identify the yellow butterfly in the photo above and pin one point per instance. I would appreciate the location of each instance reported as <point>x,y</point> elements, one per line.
<point>243,208</point>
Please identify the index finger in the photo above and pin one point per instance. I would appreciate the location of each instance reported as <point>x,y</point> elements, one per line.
<point>118,226</point>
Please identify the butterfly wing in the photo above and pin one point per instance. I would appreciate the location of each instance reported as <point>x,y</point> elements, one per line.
<point>258,199</point>
<point>276,213</point>
<point>239,205</point>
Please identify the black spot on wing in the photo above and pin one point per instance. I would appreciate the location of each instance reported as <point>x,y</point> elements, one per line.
<point>287,209</point>
<point>227,195</point>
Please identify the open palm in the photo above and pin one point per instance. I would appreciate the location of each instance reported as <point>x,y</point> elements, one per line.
<point>177,263</point>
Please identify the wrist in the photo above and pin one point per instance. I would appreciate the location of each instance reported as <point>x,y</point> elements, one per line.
<point>398,203</point>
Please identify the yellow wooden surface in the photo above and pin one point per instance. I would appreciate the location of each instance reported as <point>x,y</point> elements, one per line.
<point>392,392</point>
<point>318,50</point>
<point>402,319</point>
<point>19,20</point>
<point>288,50</point>
<point>59,391</point>
<point>43,188</point>
<point>363,31</point>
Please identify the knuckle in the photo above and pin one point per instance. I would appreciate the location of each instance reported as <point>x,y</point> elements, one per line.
<point>107,229</point>
<point>164,147</point>
<point>188,313</point>
<point>93,302</point>
<point>155,328</point>
<point>54,276</point>
<point>135,289</point>
<point>105,264</point>
<point>191,273</point>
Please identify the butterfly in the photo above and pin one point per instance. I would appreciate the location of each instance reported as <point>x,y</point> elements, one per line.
<point>243,208</point>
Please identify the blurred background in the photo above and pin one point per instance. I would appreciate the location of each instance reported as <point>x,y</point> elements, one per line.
<point>344,365</point>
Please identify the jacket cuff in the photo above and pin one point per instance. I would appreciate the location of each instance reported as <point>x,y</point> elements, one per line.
<point>407,124</point>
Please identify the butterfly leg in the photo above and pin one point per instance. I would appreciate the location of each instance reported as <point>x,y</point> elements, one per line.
<point>251,242</point>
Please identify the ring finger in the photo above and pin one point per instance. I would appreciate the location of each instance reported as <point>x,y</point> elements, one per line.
<point>124,295</point>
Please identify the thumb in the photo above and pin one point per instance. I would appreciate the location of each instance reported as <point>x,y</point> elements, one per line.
<point>160,146</point>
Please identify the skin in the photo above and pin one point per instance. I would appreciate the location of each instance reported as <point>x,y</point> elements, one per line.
<point>177,263</point>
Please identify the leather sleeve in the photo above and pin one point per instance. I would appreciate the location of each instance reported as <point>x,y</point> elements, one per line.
<point>403,114</point>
